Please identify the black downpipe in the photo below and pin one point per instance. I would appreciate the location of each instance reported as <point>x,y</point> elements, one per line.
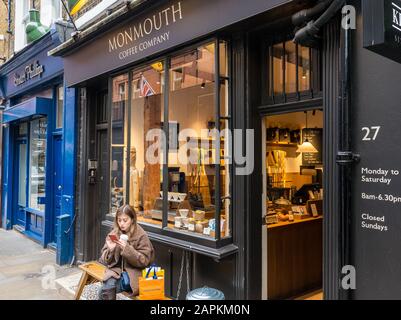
<point>308,35</point>
<point>306,15</point>
<point>9,17</point>
<point>345,157</point>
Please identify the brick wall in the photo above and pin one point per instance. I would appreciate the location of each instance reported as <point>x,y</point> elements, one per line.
<point>5,37</point>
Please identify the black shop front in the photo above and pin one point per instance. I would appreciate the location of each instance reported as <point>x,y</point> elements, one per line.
<point>263,209</point>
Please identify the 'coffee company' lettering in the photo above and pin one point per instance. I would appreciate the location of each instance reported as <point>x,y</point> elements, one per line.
<point>31,71</point>
<point>165,17</point>
<point>396,17</point>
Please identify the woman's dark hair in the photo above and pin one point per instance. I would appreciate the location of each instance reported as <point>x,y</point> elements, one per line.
<point>130,212</point>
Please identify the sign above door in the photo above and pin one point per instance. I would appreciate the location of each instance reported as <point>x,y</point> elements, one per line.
<point>382,27</point>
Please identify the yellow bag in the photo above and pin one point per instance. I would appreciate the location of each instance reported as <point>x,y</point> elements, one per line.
<point>151,284</point>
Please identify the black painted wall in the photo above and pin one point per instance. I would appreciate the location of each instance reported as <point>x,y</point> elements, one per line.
<point>376,101</point>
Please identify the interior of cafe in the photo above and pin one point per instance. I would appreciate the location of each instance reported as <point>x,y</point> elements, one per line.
<point>294,202</point>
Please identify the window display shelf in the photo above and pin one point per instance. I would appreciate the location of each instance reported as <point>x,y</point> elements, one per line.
<point>282,144</point>
<point>215,253</point>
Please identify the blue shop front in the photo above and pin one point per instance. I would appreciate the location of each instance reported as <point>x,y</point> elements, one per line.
<point>38,147</point>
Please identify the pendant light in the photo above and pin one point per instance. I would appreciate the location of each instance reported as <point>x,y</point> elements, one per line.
<point>306,146</point>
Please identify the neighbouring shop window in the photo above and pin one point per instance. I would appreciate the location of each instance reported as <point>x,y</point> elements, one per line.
<point>146,114</point>
<point>37,163</point>
<point>60,107</point>
<point>23,129</point>
<point>22,175</point>
<point>290,69</point>
<point>118,163</point>
<point>192,108</point>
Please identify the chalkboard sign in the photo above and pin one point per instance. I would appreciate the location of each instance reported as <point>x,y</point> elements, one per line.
<point>315,137</point>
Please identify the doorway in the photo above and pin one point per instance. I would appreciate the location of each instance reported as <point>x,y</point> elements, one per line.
<point>292,231</point>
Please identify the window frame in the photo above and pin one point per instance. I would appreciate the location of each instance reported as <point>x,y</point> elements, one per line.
<point>165,230</point>
<point>315,90</point>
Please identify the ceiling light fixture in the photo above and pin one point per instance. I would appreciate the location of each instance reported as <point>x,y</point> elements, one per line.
<point>306,146</point>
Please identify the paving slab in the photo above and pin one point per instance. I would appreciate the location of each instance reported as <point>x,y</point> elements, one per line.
<point>27,270</point>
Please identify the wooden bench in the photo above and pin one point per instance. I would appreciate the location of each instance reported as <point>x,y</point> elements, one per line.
<point>93,272</point>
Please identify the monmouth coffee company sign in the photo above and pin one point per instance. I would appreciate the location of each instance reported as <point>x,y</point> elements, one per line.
<point>154,31</point>
<point>382,27</point>
<point>145,34</point>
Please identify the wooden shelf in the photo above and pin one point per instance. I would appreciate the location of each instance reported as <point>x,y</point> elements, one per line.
<point>278,144</point>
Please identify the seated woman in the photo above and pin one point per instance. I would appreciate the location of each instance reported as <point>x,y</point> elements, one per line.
<point>132,255</point>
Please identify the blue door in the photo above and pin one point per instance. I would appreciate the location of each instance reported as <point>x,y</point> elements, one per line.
<point>20,171</point>
<point>57,185</point>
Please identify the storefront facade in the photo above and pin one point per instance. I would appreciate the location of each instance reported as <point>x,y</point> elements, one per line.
<point>38,146</point>
<point>174,65</point>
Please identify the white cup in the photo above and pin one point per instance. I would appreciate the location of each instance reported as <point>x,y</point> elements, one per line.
<point>124,238</point>
<point>183,212</point>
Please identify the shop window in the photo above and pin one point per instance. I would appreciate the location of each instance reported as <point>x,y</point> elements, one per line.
<point>146,114</point>
<point>195,166</point>
<point>196,175</point>
<point>60,107</point>
<point>37,164</point>
<point>23,129</point>
<point>22,174</point>
<point>118,163</point>
<point>292,72</point>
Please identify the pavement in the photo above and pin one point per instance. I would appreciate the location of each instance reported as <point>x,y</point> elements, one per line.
<point>28,271</point>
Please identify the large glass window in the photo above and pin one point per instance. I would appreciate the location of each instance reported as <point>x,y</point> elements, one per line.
<point>195,196</point>
<point>145,175</point>
<point>37,161</point>
<point>118,163</point>
<point>193,170</point>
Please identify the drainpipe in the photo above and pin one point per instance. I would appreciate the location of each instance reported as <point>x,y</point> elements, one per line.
<point>345,157</point>
<point>9,17</point>
<point>308,35</point>
<point>305,15</point>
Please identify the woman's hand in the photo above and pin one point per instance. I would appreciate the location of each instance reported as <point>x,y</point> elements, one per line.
<point>111,244</point>
<point>121,244</point>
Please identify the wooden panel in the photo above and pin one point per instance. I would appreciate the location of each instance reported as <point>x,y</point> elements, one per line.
<point>151,176</point>
<point>294,259</point>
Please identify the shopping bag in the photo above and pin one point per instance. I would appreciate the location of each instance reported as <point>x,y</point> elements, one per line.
<point>151,271</point>
<point>151,286</point>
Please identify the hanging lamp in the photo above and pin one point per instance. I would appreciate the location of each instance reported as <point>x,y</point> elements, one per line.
<point>306,146</point>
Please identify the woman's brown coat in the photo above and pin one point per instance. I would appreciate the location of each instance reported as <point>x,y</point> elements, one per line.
<point>137,255</point>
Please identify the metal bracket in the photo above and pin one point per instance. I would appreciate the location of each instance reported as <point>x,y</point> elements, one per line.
<point>347,157</point>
